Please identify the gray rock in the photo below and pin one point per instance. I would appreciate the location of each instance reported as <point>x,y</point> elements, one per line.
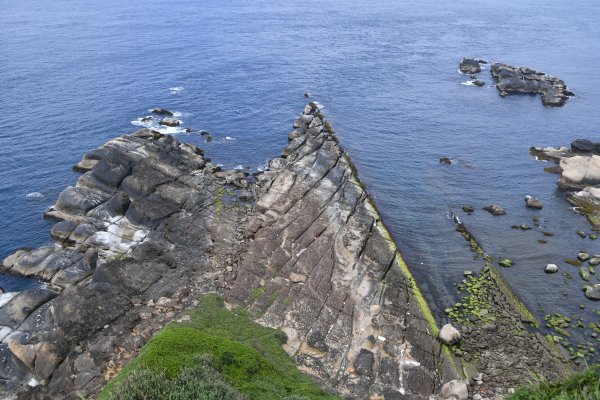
<point>456,388</point>
<point>532,202</point>
<point>506,263</point>
<point>584,272</point>
<point>449,335</point>
<point>594,260</point>
<point>170,122</point>
<point>592,292</point>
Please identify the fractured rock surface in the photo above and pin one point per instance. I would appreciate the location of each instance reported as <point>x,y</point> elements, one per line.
<point>321,266</point>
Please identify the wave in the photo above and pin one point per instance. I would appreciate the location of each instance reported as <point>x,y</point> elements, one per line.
<point>176,89</point>
<point>34,195</point>
<point>468,83</point>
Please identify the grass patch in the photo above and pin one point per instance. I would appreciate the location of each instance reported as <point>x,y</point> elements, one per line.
<point>248,356</point>
<point>582,386</point>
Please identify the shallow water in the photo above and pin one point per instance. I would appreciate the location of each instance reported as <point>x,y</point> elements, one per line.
<point>77,74</point>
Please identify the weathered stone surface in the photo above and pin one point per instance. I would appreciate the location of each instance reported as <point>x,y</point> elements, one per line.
<point>314,224</point>
<point>455,388</point>
<point>534,203</point>
<point>17,309</point>
<point>495,209</point>
<point>170,122</point>
<point>593,292</point>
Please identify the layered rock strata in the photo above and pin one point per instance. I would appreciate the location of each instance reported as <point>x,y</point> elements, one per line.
<point>151,223</point>
<point>136,239</point>
<point>321,266</point>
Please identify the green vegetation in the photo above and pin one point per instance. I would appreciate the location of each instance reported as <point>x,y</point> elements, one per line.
<point>242,354</point>
<point>582,386</point>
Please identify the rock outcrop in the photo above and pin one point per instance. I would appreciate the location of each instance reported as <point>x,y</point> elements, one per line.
<point>135,239</point>
<point>579,168</point>
<point>321,266</point>
<point>147,226</point>
<point>554,91</point>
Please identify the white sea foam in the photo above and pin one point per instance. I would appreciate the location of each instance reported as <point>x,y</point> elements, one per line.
<point>176,89</point>
<point>229,138</point>
<point>319,105</point>
<point>177,114</point>
<point>34,195</point>
<point>468,83</point>
<point>262,167</point>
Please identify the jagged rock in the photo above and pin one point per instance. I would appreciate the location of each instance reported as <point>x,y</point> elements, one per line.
<point>554,92</point>
<point>455,389</point>
<point>449,335</point>
<point>495,209</point>
<point>469,66</point>
<point>534,203</point>
<point>478,82</point>
<point>170,122</point>
<point>445,160</point>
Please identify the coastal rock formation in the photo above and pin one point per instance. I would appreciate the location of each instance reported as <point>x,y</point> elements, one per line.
<point>135,235</point>
<point>579,168</point>
<point>554,91</point>
<point>151,223</point>
<point>321,266</point>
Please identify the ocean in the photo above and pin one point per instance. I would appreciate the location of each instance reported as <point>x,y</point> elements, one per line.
<point>76,74</point>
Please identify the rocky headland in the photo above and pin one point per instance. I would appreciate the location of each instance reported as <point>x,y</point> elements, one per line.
<point>152,224</point>
<point>553,91</point>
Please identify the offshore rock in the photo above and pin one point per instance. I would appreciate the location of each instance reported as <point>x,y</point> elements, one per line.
<point>592,292</point>
<point>495,209</point>
<point>469,66</point>
<point>554,92</point>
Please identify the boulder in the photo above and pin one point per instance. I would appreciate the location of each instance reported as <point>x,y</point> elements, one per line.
<point>469,66</point>
<point>445,160</point>
<point>456,389</point>
<point>592,292</point>
<point>551,268</point>
<point>495,209</point>
<point>478,82</point>
<point>583,146</point>
<point>583,256</point>
<point>583,170</point>
<point>170,122</point>
<point>534,203</point>
<point>449,335</point>
<point>584,272</point>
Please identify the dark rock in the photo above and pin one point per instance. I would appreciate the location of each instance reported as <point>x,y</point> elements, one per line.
<point>364,362</point>
<point>583,146</point>
<point>446,160</point>
<point>468,209</point>
<point>511,79</point>
<point>162,111</point>
<point>478,82</point>
<point>469,66</point>
<point>170,122</point>
<point>15,311</point>
<point>506,263</point>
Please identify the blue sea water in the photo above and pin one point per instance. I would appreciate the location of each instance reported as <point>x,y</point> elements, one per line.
<point>76,74</point>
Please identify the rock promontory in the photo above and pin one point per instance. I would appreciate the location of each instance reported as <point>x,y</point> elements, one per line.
<point>152,223</point>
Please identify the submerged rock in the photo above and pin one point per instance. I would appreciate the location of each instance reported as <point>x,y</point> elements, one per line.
<point>506,263</point>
